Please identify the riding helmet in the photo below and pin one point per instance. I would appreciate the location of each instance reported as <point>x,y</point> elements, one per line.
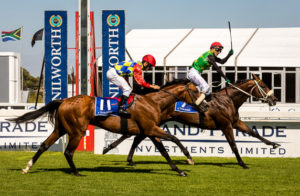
<point>216,44</point>
<point>150,59</point>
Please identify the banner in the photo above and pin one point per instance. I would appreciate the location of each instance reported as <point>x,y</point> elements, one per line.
<point>213,142</point>
<point>113,46</point>
<point>25,136</point>
<point>55,55</point>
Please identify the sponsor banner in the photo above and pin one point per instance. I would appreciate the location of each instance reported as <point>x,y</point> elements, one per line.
<point>26,136</point>
<point>113,46</point>
<point>213,142</point>
<point>55,55</point>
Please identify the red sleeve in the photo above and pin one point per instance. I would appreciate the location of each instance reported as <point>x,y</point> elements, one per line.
<point>139,77</point>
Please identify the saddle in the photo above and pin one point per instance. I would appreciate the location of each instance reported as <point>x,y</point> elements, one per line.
<point>105,106</point>
<point>181,106</point>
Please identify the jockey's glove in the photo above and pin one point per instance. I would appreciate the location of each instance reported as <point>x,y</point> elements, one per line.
<point>230,52</point>
<point>228,81</point>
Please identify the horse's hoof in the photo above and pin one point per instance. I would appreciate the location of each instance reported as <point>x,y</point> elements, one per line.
<point>182,174</point>
<point>276,146</point>
<point>105,150</point>
<point>245,167</point>
<point>191,162</point>
<point>131,164</point>
<point>24,171</point>
<point>78,174</point>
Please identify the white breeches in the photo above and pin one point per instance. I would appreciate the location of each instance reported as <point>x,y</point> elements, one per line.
<point>119,81</point>
<point>195,77</point>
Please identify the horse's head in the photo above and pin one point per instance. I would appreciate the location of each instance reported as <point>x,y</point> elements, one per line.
<point>261,91</point>
<point>183,90</point>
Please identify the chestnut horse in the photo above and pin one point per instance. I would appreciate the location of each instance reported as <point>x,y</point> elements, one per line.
<point>73,115</point>
<point>222,114</point>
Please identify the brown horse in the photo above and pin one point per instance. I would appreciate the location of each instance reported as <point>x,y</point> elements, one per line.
<point>222,114</point>
<point>73,115</point>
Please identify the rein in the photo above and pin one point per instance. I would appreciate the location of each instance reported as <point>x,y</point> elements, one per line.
<point>262,92</point>
<point>175,96</point>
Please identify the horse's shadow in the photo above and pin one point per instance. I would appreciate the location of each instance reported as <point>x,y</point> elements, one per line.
<point>177,162</point>
<point>225,165</point>
<point>114,169</point>
<point>184,162</point>
<point>130,169</point>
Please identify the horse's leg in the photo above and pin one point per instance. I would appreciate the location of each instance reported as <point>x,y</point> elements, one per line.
<point>137,140</point>
<point>165,154</point>
<point>230,138</point>
<point>44,146</point>
<point>174,139</point>
<point>158,132</point>
<point>115,143</point>
<point>241,126</point>
<point>183,149</point>
<point>69,152</point>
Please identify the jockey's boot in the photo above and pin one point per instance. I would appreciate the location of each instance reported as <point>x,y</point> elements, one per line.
<point>200,99</point>
<point>122,110</point>
<point>201,103</point>
<point>208,97</point>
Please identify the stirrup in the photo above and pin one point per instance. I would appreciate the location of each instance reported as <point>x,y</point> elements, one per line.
<point>203,107</point>
<point>124,113</point>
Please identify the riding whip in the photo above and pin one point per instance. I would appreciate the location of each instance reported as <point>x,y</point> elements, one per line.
<point>230,33</point>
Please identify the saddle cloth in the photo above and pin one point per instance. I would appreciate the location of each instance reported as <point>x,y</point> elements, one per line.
<point>181,106</point>
<point>105,106</point>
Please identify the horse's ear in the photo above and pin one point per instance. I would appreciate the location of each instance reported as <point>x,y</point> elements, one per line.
<point>255,77</point>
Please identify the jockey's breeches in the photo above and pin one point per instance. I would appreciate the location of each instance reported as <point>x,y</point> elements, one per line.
<point>119,81</point>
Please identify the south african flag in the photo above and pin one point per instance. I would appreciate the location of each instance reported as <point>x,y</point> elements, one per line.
<point>11,35</point>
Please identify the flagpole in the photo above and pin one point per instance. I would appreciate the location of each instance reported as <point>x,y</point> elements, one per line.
<point>21,59</point>
<point>41,77</point>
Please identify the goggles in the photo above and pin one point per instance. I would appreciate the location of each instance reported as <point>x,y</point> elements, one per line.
<point>218,49</point>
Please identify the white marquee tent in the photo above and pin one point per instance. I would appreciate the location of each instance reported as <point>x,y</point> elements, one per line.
<point>264,47</point>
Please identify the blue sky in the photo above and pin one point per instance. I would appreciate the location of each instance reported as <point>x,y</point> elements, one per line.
<point>142,14</point>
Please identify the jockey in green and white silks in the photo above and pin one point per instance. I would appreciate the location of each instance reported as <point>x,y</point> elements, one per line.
<point>204,62</point>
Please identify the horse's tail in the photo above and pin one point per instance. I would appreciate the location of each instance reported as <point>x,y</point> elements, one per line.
<point>51,108</point>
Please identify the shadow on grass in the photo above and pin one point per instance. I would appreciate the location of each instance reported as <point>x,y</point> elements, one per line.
<point>126,169</point>
<point>176,162</point>
<point>227,164</point>
<point>184,162</point>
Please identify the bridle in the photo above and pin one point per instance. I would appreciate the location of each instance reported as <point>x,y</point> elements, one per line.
<point>263,93</point>
<point>178,98</point>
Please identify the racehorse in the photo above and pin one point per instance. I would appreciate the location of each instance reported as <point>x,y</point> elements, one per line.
<point>222,114</point>
<point>73,115</point>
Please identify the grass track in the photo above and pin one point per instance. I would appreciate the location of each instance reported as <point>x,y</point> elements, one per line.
<point>110,175</point>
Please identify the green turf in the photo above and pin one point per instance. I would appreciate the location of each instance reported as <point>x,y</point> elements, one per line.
<point>110,175</point>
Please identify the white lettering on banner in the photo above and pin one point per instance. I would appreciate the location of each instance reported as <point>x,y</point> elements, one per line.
<point>214,143</point>
<point>113,90</point>
<point>113,44</point>
<point>113,52</point>
<point>56,88</point>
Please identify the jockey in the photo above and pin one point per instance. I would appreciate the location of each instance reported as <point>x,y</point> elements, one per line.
<point>203,63</point>
<point>123,69</point>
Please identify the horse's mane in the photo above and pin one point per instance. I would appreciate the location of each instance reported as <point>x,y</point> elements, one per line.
<point>175,81</point>
<point>145,91</point>
<point>235,83</point>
